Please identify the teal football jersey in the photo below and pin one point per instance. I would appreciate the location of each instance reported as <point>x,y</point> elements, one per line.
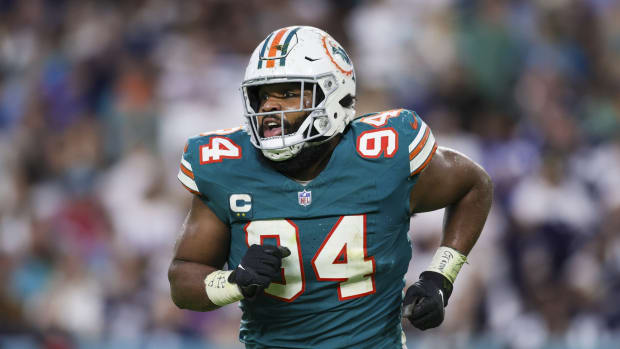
<point>342,285</point>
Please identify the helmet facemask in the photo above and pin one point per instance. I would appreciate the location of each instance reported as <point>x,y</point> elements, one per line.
<point>292,137</point>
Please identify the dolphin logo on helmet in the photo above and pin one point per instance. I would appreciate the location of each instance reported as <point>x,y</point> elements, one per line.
<point>340,51</point>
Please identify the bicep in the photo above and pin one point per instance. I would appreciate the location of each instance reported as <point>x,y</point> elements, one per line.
<point>445,180</point>
<point>204,239</point>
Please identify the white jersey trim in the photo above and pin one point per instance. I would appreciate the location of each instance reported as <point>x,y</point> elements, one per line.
<point>188,182</point>
<point>420,159</point>
<point>418,137</point>
<point>186,164</point>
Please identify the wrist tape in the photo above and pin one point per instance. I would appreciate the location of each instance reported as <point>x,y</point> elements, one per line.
<point>447,261</point>
<point>219,290</point>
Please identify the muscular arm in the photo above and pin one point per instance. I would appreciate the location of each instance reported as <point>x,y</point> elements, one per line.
<point>201,249</point>
<point>455,182</point>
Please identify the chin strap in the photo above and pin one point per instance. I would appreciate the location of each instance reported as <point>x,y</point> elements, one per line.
<point>283,154</point>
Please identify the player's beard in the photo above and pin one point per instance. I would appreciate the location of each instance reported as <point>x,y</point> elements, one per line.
<point>300,162</point>
<point>297,164</point>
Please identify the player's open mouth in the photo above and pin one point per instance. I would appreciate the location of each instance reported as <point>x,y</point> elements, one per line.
<point>271,127</point>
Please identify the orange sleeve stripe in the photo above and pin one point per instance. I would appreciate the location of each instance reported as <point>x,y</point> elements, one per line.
<point>273,48</point>
<point>421,145</point>
<point>428,159</point>
<point>187,172</point>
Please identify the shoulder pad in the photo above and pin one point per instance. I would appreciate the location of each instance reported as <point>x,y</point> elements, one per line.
<point>399,133</point>
<point>206,148</point>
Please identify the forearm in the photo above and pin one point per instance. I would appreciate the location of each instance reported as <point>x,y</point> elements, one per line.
<point>187,287</point>
<point>465,218</point>
<point>453,181</point>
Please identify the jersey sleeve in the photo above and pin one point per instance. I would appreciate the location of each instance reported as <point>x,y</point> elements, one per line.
<point>398,137</point>
<point>186,174</point>
<point>422,146</point>
<point>207,178</point>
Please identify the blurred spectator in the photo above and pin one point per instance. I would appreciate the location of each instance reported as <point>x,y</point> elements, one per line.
<point>97,99</point>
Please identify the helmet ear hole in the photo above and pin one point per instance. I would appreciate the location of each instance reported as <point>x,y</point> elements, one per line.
<point>347,101</point>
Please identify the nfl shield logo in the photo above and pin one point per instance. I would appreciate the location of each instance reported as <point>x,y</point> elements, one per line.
<point>305,197</point>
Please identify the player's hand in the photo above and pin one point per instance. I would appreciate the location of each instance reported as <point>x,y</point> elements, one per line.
<point>425,300</point>
<point>259,266</point>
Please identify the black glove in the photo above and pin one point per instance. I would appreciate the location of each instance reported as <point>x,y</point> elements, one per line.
<point>425,300</point>
<point>259,266</point>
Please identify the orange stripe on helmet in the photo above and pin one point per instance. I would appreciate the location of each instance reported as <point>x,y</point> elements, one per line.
<point>273,49</point>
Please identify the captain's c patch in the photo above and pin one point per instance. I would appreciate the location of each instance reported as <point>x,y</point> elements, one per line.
<point>241,205</point>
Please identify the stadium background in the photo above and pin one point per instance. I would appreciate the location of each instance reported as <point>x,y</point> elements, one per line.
<point>98,97</point>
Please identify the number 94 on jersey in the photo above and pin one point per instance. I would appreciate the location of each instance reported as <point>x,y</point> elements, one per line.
<point>341,258</point>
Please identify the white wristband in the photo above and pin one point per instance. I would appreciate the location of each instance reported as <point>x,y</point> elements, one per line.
<point>448,262</point>
<point>219,290</point>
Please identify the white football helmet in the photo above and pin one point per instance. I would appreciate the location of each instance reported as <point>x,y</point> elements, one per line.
<point>314,59</point>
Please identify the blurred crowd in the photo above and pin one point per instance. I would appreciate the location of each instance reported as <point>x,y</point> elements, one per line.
<point>98,97</point>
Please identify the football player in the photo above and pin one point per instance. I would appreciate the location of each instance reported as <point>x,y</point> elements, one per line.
<point>309,207</point>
